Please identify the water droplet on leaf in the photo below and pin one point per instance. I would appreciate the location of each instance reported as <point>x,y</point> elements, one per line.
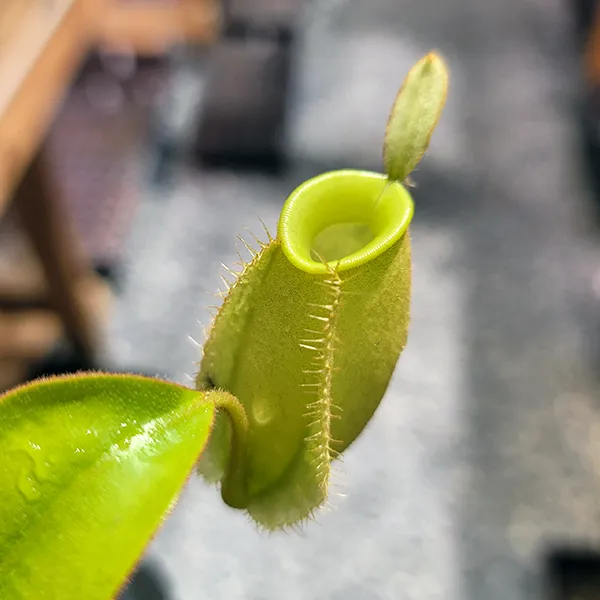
<point>28,487</point>
<point>40,463</point>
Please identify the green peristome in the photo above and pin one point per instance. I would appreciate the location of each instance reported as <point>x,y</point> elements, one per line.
<point>307,340</point>
<point>89,466</point>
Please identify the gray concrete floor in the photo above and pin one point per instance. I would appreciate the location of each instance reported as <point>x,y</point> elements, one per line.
<point>485,451</point>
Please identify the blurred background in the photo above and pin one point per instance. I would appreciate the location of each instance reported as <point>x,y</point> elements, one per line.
<point>138,137</point>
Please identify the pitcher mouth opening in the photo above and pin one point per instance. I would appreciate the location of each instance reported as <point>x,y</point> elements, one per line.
<point>343,219</point>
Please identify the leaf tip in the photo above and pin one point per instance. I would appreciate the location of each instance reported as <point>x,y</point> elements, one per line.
<point>414,115</point>
<point>436,64</point>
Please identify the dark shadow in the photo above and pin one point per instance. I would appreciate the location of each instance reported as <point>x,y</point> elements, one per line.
<point>573,574</point>
<point>146,584</point>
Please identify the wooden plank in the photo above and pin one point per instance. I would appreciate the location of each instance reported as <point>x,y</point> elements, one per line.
<point>47,228</point>
<point>592,51</point>
<point>21,278</point>
<point>11,15</point>
<point>25,29</point>
<point>28,335</point>
<point>13,371</point>
<point>149,28</point>
<point>41,47</point>
<point>23,285</point>
<point>37,63</point>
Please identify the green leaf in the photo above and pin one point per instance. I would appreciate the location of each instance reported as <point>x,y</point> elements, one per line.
<point>89,465</point>
<point>414,116</point>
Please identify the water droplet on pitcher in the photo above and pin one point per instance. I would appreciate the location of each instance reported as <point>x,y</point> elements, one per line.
<point>262,411</point>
